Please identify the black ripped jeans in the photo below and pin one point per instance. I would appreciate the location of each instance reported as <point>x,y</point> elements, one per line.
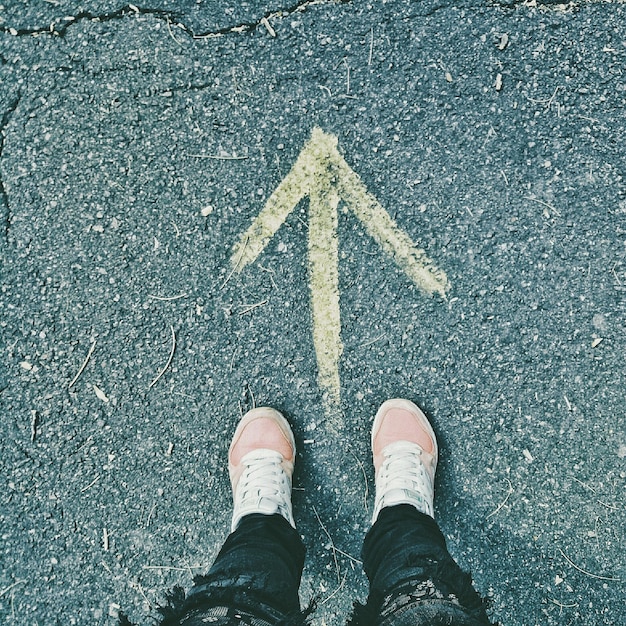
<point>413,579</point>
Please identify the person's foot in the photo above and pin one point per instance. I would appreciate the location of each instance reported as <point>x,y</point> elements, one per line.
<point>260,464</point>
<point>405,457</point>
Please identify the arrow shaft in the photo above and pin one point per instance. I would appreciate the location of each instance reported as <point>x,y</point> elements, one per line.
<point>324,285</point>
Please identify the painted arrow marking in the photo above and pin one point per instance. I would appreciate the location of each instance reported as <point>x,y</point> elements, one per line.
<point>322,174</point>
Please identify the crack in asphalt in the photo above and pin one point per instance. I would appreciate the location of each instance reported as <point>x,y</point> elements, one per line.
<point>4,198</point>
<point>59,26</point>
<point>299,7</point>
<point>246,27</point>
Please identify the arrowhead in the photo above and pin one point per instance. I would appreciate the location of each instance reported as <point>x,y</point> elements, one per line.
<point>321,164</point>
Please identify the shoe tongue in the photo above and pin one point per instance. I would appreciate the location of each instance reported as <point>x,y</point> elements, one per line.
<point>262,453</point>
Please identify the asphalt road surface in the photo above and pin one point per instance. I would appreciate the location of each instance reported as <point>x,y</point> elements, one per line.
<point>138,145</point>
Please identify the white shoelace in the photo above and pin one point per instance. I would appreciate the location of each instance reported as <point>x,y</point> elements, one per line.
<point>403,478</point>
<point>263,487</point>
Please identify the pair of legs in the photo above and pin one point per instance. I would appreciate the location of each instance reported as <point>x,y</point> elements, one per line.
<point>255,578</point>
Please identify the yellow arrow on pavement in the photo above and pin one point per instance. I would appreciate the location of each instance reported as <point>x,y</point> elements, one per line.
<point>322,174</point>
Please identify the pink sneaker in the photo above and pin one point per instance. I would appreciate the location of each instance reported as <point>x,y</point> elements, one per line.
<point>405,457</point>
<point>260,464</point>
